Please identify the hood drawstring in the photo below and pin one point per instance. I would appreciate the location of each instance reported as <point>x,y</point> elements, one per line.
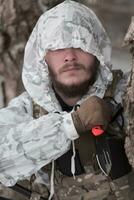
<point>52,182</point>
<point>73,160</point>
<point>52,172</point>
<point>74,152</point>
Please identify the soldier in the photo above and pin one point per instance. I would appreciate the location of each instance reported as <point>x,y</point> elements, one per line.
<point>67,116</point>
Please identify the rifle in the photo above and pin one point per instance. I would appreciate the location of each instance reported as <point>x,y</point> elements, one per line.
<point>24,191</point>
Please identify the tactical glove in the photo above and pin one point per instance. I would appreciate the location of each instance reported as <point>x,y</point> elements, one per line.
<point>92,112</point>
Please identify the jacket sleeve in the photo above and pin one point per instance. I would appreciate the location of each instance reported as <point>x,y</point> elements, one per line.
<point>27,144</point>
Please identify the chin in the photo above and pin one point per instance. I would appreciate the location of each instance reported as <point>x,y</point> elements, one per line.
<point>73,83</point>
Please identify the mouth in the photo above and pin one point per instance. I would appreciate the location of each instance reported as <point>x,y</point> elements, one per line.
<point>71,68</point>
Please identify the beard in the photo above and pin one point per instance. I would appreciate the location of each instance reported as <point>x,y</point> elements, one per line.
<point>75,90</point>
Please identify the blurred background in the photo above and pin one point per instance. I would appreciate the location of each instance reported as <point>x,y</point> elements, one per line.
<point>17,19</point>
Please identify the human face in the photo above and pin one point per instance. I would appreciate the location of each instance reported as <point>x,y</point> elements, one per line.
<point>70,67</point>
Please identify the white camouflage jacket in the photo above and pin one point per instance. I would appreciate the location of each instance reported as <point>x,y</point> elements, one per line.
<point>27,144</point>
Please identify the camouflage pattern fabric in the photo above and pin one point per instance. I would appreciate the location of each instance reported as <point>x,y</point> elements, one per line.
<point>91,186</point>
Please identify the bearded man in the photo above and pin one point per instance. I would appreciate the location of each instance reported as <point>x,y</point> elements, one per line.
<point>66,74</point>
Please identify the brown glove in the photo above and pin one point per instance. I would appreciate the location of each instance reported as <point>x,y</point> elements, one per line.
<point>92,112</point>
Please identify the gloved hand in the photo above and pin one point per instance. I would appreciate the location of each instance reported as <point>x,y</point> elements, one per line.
<point>93,111</point>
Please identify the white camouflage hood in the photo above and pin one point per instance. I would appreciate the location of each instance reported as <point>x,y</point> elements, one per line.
<point>69,24</point>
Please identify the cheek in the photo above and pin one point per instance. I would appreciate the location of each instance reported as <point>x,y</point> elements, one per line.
<point>89,62</point>
<point>53,59</point>
<point>54,70</point>
<point>88,59</point>
<point>54,65</point>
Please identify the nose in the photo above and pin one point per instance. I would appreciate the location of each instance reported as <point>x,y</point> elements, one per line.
<point>70,55</point>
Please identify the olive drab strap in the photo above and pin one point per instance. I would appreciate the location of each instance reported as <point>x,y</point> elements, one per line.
<point>117,122</point>
<point>117,75</point>
<point>38,111</point>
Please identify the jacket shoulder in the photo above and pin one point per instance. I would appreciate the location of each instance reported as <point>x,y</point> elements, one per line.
<point>23,102</point>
